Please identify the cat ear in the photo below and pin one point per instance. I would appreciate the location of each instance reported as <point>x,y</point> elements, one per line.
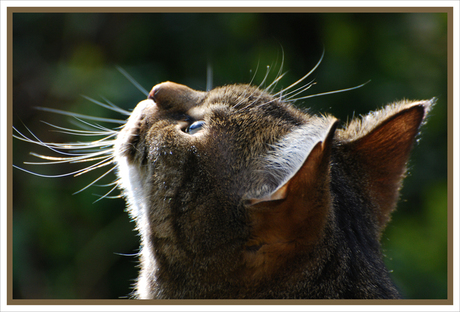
<point>292,217</point>
<point>380,143</point>
<point>289,155</point>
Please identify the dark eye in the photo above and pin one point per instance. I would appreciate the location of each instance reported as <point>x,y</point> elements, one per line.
<point>194,127</point>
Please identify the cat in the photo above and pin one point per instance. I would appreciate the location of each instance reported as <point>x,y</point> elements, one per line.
<point>238,194</point>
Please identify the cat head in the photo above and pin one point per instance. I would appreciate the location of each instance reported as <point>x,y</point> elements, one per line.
<point>236,179</point>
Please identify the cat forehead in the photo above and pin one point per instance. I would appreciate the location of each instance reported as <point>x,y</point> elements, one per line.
<point>247,101</point>
<point>234,107</point>
<point>177,98</point>
<point>237,94</point>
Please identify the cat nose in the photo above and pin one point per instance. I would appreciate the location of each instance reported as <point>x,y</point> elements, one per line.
<point>173,96</point>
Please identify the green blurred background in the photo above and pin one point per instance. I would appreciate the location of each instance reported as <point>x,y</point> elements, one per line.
<point>65,246</point>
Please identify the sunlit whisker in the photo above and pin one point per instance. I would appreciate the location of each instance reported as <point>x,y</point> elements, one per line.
<point>93,155</point>
<point>267,72</point>
<point>280,71</point>
<point>83,148</point>
<point>48,175</point>
<point>255,73</point>
<point>242,97</point>
<point>114,196</point>
<point>80,132</point>
<point>116,182</point>
<point>95,126</point>
<point>245,97</point>
<point>297,91</point>
<point>109,106</point>
<point>61,112</point>
<point>118,109</point>
<point>266,103</point>
<point>133,81</point>
<point>95,166</point>
<point>64,160</point>
<point>301,79</point>
<point>100,177</point>
<point>279,75</point>
<point>52,146</point>
<point>106,195</point>
<point>88,126</point>
<point>329,92</point>
<point>103,142</point>
<point>275,82</point>
<point>255,101</point>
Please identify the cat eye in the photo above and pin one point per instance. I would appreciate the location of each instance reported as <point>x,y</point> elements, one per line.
<point>194,127</point>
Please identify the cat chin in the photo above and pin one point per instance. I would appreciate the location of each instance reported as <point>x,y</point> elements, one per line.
<point>143,285</point>
<point>131,182</point>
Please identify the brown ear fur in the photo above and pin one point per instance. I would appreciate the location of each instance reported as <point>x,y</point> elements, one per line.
<point>284,227</point>
<point>383,152</point>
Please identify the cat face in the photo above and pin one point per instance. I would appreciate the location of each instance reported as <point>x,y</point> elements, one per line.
<point>183,153</point>
<point>230,187</point>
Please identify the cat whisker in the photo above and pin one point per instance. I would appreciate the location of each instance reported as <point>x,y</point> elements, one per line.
<point>255,73</point>
<point>280,71</point>
<point>275,82</point>
<point>95,154</point>
<point>74,173</point>
<point>301,79</point>
<point>297,91</point>
<point>279,75</point>
<point>114,197</point>
<point>266,103</point>
<point>116,107</point>
<point>127,255</point>
<point>102,163</point>
<point>85,125</point>
<point>52,146</point>
<point>106,195</point>
<point>267,72</point>
<point>82,132</point>
<point>107,135</point>
<point>105,162</point>
<point>103,155</point>
<point>116,182</point>
<point>43,175</point>
<point>243,97</point>
<point>82,116</point>
<point>100,177</point>
<point>97,147</point>
<point>327,93</point>
<point>62,160</point>
<point>109,105</point>
<point>133,81</point>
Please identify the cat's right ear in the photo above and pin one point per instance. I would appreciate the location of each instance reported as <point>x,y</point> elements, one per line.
<point>291,219</point>
<point>306,146</point>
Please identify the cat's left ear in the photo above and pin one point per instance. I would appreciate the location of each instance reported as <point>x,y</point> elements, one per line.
<point>293,214</point>
<point>380,143</point>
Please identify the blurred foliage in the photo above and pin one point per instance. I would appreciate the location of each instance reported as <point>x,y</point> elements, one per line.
<point>66,246</point>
